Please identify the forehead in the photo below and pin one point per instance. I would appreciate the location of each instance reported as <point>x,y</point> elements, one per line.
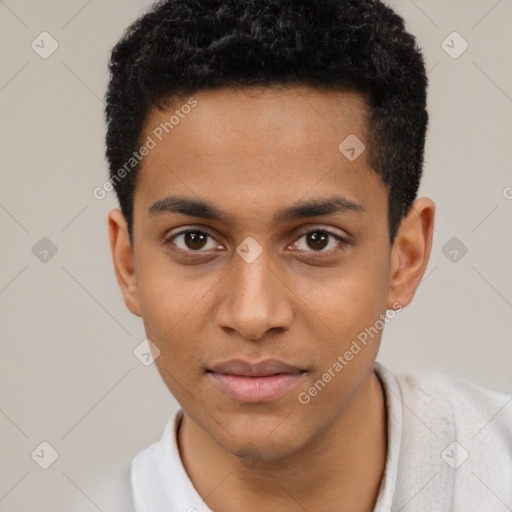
<point>257,145</point>
<point>301,117</point>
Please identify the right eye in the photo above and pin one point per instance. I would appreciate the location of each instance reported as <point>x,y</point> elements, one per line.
<point>191,240</point>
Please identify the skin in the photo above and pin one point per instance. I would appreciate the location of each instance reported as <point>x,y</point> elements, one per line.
<point>251,153</point>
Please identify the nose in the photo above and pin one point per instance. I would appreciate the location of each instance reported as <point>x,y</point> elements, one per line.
<point>255,300</point>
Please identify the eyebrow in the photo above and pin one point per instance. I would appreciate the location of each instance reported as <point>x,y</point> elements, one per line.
<point>302,209</point>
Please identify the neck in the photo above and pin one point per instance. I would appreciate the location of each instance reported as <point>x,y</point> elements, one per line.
<point>341,469</point>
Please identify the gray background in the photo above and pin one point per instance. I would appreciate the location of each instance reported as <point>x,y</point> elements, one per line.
<point>68,374</point>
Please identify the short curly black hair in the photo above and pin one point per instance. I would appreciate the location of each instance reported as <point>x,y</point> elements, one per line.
<point>182,46</point>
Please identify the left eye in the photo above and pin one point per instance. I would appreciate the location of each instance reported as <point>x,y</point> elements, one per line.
<point>319,240</point>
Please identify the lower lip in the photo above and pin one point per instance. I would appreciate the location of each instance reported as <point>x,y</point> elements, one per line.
<point>251,390</point>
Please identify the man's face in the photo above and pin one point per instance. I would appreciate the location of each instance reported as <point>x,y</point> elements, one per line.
<point>211,296</point>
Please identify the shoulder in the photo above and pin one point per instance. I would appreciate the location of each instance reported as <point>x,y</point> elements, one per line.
<point>450,403</point>
<point>467,401</point>
<point>455,441</point>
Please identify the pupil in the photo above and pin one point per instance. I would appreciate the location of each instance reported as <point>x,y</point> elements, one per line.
<point>317,238</point>
<point>195,240</point>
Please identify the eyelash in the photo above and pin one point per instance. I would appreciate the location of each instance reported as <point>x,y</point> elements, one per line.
<point>314,254</point>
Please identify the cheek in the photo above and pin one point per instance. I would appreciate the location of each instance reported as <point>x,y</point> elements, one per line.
<point>355,298</point>
<point>167,298</point>
<point>172,312</point>
<point>353,306</point>
<point>353,315</point>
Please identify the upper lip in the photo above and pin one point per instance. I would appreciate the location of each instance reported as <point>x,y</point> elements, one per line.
<point>262,368</point>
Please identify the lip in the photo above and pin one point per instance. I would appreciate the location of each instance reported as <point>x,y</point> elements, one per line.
<point>258,382</point>
<point>261,368</point>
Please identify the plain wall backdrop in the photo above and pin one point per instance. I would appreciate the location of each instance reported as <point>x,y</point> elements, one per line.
<point>68,373</point>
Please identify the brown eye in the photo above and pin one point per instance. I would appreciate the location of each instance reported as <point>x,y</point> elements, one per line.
<point>195,240</point>
<point>320,243</point>
<point>317,240</point>
<point>192,240</point>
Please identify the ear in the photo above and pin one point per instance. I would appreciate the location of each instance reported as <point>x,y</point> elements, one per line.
<point>122,256</point>
<point>411,252</point>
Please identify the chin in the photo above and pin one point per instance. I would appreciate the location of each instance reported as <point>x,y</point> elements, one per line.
<point>261,439</point>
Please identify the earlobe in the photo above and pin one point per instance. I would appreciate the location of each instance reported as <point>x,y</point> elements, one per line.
<point>123,259</point>
<point>411,252</point>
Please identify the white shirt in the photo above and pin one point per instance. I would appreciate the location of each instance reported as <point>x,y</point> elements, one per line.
<point>449,450</point>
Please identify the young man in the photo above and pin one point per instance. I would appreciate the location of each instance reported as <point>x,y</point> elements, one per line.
<point>267,156</point>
